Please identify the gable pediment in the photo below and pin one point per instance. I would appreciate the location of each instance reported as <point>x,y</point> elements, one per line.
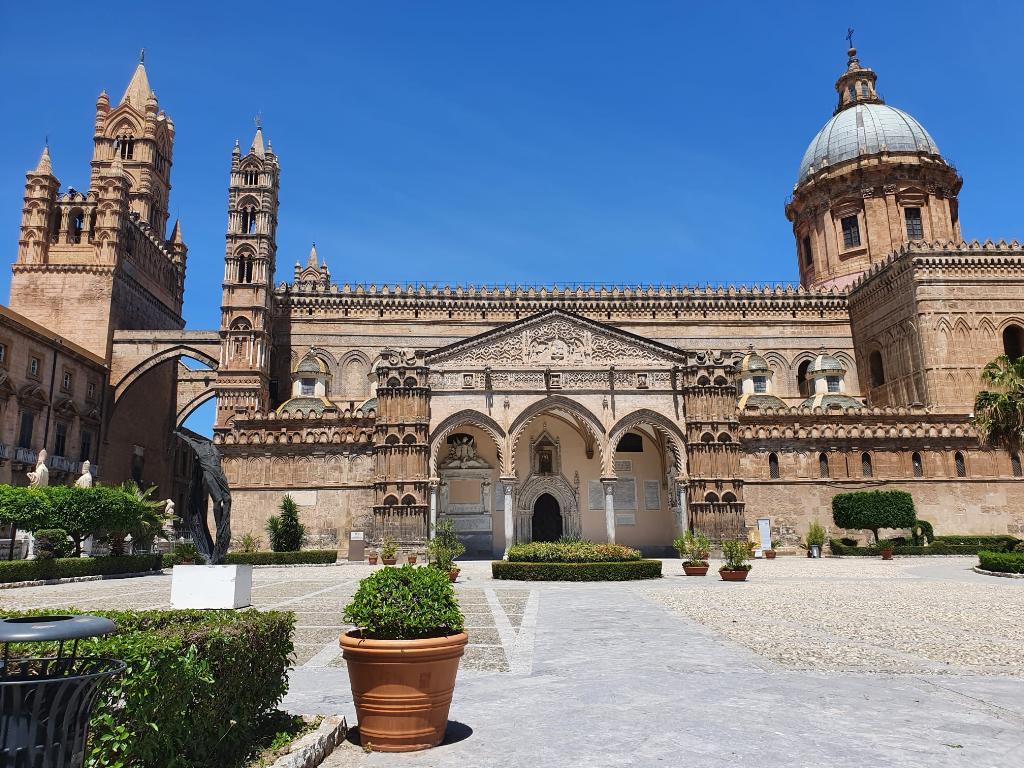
<point>555,339</point>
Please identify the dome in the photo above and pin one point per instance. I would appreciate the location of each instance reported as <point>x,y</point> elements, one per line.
<point>831,400</point>
<point>753,362</point>
<point>311,364</point>
<point>825,363</point>
<point>865,129</point>
<point>759,400</point>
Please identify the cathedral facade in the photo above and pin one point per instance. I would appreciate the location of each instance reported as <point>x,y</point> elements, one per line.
<point>618,413</point>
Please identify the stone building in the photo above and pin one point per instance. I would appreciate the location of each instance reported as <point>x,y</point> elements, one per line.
<point>622,413</point>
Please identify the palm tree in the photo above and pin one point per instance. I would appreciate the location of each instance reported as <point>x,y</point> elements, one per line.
<point>999,413</point>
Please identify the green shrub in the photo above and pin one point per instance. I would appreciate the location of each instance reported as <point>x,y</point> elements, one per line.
<point>66,568</point>
<point>693,548</point>
<point>736,554</point>
<point>198,686</point>
<point>815,535</point>
<point>873,510</point>
<point>445,546</point>
<point>22,507</point>
<point>388,547</point>
<point>53,542</point>
<point>285,530</point>
<point>938,548</point>
<point>405,603</point>
<point>548,571</point>
<point>991,543</point>
<point>1002,562</point>
<point>573,552</point>
<point>922,532</point>
<point>302,557</point>
<point>248,543</point>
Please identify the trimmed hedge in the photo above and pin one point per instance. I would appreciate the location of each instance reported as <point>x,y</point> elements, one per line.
<point>302,557</point>
<point>1004,543</point>
<point>70,567</point>
<point>622,571</point>
<point>571,552</point>
<point>199,685</point>
<point>938,548</point>
<point>872,510</point>
<point>1002,562</point>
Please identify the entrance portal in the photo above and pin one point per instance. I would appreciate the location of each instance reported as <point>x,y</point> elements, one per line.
<point>547,519</point>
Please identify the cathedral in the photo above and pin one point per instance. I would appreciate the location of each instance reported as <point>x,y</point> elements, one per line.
<point>616,413</point>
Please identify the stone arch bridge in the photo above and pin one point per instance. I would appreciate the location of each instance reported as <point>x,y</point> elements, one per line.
<point>135,353</point>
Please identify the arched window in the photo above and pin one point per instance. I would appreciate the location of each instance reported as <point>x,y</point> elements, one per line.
<point>1015,464</point>
<point>724,438</point>
<point>808,253</point>
<point>249,220</point>
<point>711,497</point>
<point>75,226</point>
<point>865,464</point>
<point>244,269</point>
<point>773,466</point>
<point>410,382</point>
<point>391,501</point>
<point>630,442</point>
<point>802,383</point>
<point>703,381</point>
<point>391,440</point>
<point>1013,341</point>
<point>721,381</point>
<point>707,437</point>
<point>728,498</point>
<point>961,464</point>
<point>877,368</point>
<point>251,178</point>
<point>409,440</point>
<point>408,500</point>
<point>124,145</point>
<point>822,465</point>
<point>918,465</point>
<point>863,89</point>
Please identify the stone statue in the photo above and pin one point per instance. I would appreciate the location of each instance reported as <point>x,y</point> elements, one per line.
<point>207,482</point>
<point>41,477</point>
<point>85,481</point>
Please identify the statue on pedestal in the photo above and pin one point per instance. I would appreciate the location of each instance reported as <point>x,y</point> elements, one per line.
<point>207,483</point>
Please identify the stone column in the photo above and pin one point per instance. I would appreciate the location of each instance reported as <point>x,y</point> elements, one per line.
<point>434,482</point>
<point>507,484</point>
<point>609,507</point>
<point>684,513</point>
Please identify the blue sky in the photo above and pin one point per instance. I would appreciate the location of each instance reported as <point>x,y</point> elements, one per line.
<point>512,142</point>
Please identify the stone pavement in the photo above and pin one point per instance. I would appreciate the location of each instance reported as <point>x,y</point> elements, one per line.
<point>696,672</point>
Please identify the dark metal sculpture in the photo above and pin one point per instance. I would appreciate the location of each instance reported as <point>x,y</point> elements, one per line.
<point>207,482</point>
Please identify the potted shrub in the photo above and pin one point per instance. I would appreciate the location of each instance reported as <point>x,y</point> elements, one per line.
<point>815,539</point>
<point>444,548</point>
<point>403,657</point>
<point>693,548</point>
<point>885,547</point>
<point>186,553</point>
<point>770,553</point>
<point>371,557</point>
<point>388,550</point>
<point>412,558</point>
<point>736,567</point>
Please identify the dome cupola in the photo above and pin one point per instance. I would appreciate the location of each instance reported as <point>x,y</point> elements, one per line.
<point>871,180</point>
<point>754,377</point>
<point>827,375</point>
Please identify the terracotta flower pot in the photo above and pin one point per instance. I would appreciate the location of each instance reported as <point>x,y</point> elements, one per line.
<point>372,559</point>
<point>402,689</point>
<point>887,554</point>
<point>412,559</point>
<point>453,574</point>
<point>733,575</point>
<point>769,554</point>
<point>695,570</point>
<point>389,560</point>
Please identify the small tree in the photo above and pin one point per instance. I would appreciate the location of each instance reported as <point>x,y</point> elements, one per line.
<point>285,530</point>
<point>445,546</point>
<point>24,508</point>
<point>873,510</point>
<point>999,414</point>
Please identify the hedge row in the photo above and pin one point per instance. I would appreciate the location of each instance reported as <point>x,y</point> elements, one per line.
<point>626,571</point>
<point>991,543</point>
<point>302,557</point>
<point>938,548</point>
<point>197,688</point>
<point>1002,562</point>
<point>69,567</point>
<point>571,552</point>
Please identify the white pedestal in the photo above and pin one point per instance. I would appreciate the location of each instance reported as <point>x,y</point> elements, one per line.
<point>211,586</point>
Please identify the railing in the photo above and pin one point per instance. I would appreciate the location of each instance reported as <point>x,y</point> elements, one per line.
<point>25,456</point>
<point>64,464</point>
<point>5,451</point>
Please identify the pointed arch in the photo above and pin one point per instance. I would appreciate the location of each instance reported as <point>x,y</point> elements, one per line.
<point>556,403</point>
<point>460,419</point>
<point>673,435</point>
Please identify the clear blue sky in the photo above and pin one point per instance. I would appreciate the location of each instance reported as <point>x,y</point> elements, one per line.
<point>518,141</point>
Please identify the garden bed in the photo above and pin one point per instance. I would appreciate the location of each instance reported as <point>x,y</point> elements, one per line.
<point>1001,562</point>
<point>937,548</point>
<point>201,686</point>
<point>548,571</point>
<point>301,557</point>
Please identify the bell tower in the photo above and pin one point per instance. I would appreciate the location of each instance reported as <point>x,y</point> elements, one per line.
<point>249,262</point>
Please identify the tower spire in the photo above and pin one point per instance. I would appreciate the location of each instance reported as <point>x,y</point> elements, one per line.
<point>857,84</point>
<point>138,91</point>
<point>257,140</point>
<point>45,165</point>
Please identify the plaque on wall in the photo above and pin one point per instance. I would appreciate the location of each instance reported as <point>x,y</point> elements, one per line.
<point>652,494</point>
<point>623,465</point>
<point>595,494</point>
<point>624,495</point>
<point>499,497</point>
<point>627,519</point>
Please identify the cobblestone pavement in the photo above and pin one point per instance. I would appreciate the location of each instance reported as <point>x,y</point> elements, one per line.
<point>853,662</point>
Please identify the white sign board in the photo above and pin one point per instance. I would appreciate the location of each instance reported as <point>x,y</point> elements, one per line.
<point>764,531</point>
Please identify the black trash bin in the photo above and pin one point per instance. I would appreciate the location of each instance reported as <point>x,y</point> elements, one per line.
<point>45,703</point>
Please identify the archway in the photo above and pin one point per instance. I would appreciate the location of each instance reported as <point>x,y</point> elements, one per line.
<point>547,518</point>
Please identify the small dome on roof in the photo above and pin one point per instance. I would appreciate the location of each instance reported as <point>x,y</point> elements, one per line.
<point>825,363</point>
<point>311,364</point>
<point>754,362</point>
<point>831,400</point>
<point>756,400</point>
<point>306,405</point>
